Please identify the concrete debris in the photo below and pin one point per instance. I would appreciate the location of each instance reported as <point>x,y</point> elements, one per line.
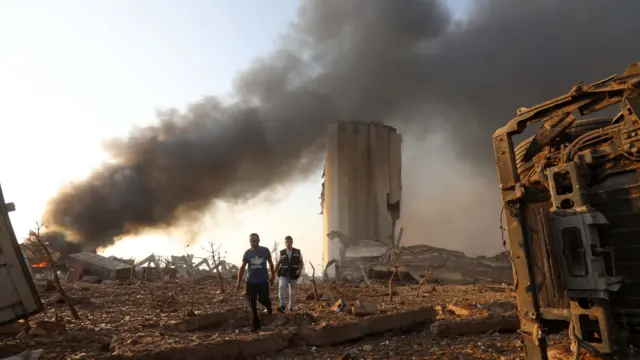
<point>91,264</point>
<point>48,328</point>
<point>470,326</point>
<point>91,280</point>
<point>223,350</point>
<point>26,355</point>
<point>460,310</point>
<point>332,335</point>
<point>186,318</point>
<point>214,320</point>
<point>364,308</point>
<point>439,265</point>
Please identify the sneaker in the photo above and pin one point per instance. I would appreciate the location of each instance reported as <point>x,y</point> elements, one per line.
<point>282,309</point>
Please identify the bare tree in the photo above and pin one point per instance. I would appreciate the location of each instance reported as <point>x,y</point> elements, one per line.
<point>274,251</point>
<point>395,254</point>
<point>40,246</point>
<point>313,282</point>
<point>216,257</point>
<point>428,276</point>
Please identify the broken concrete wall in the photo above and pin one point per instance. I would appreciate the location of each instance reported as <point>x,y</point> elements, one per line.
<point>99,266</point>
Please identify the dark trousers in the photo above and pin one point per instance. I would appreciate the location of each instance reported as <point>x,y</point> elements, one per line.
<point>258,293</point>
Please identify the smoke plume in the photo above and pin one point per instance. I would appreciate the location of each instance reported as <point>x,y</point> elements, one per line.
<point>407,63</point>
<point>57,242</point>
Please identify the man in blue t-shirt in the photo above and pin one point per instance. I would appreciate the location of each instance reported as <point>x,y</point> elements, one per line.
<point>258,281</point>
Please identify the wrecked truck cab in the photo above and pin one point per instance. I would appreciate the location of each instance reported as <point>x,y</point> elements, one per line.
<point>571,202</point>
<point>19,298</point>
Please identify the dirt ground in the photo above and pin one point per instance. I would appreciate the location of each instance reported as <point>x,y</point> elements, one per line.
<point>141,321</point>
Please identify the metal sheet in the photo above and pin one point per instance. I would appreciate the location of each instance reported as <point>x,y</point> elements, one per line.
<point>19,297</point>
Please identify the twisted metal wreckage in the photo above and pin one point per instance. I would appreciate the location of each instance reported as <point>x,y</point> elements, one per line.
<point>571,197</point>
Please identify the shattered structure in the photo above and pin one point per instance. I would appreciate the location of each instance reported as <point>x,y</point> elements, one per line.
<point>90,264</point>
<point>361,191</point>
<point>446,267</point>
<point>571,200</point>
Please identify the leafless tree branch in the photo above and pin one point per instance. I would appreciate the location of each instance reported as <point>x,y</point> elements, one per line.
<point>35,241</point>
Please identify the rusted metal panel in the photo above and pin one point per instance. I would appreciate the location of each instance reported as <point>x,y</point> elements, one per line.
<point>528,307</point>
<point>572,218</point>
<point>544,255</point>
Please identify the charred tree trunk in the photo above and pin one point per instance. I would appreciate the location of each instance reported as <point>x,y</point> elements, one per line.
<point>420,285</point>
<point>313,282</point>
<point>393,276</point>
<point>56,279</point>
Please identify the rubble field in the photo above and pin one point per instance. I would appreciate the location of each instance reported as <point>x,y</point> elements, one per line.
<point>192,319</point>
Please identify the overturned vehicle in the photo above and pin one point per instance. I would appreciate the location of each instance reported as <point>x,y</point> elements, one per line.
<point>571,201</point>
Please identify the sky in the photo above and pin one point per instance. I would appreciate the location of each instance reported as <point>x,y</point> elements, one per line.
<point>75,73</point>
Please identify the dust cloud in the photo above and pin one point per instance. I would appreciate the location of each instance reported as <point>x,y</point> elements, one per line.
<point>406,63</point>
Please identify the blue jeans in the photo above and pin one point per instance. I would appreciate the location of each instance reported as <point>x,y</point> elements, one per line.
<point>284,282</point>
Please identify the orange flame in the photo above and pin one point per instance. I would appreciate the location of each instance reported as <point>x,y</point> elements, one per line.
<point>40,265</point>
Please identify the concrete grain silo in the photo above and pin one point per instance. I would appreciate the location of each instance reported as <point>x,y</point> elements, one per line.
<point>361,191</point>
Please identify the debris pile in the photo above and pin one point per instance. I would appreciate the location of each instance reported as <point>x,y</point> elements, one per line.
<point>419,261</point>
<point>192,318</point>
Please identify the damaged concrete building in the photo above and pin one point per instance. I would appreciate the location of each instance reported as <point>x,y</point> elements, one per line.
<point>361,191</point>
<point>361,201</point>
<point>91,264</point>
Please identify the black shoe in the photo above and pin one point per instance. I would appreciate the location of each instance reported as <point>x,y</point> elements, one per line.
<point>269,310</point>
<point>256,326</point>
<point>282,309</point>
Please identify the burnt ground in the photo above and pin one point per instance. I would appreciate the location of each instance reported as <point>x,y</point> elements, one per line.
<point>155,320</point>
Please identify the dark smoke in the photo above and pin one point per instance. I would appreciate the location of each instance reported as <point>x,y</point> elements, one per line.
<point>57,242</point>
<point>403,62</point>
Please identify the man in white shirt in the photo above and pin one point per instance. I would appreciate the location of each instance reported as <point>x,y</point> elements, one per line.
<point>289,268</point>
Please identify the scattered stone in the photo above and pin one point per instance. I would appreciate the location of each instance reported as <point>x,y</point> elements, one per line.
<point>335,334</point>
<point>365,308</point>
<point>227,349</point>
<point>189,313</point>
<point>45,327</point>
<point>460,310</point>
<point>91,280</point>
<point>236,316</point>
<point>469,326</point>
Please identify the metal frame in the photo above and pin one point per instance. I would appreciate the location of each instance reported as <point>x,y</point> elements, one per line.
<point>557,115</point>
